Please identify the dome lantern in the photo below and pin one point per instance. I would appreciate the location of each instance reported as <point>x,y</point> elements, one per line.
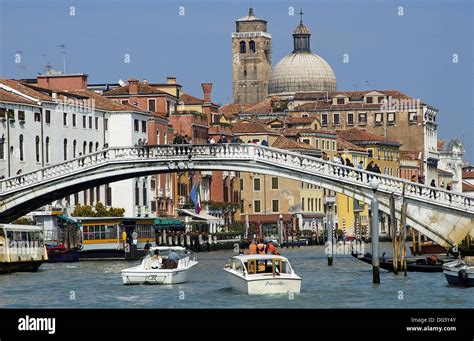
<point>301,37</point>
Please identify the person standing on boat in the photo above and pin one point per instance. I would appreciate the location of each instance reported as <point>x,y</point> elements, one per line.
<point>271,248</point>
<point>261,248</point>
<point>174,258</point>
<point>252,248</point>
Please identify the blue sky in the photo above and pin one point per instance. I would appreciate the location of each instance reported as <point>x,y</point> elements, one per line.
<point>412,53</point>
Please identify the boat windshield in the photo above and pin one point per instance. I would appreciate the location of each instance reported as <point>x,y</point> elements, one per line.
<point>267,266</point>
<point>165,253</point>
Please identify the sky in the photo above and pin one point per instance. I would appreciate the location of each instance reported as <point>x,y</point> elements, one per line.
<point>423,48</point>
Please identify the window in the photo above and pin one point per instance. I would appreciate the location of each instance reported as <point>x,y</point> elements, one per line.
<point>302,204</point>
<point>336,119</point>
<point>275,206</point>
<point>369,100</point>
<point>307,141</point>
<point>370,153</point>
<point>37,148</point>
<point>65,118</point>
<point>91,147</point>
<point>73,120</point>
<point>97,193</point>
<point>242,47</point>
<point>256,206</point>
<point>334,147</point>
<point>324,119</point>
<point>108,195</point>
<point>97,146</point>
<point>362,118</point>
<point>37,117</point>
<point>143,126</point>
<point>65,149</point>
<point>136,125</point>
<point>316,143</point>
<point>84,121</point>
<point>106,124</point>
<point>340,101</point>
<point>145,199</point>
<point>152,105</point>
<point>96,123</point>
<point>84,148</point>
<point>91,196</point>
<point>391,118</point>
<point>47,118</point>
<point>252,46</point>
<point>350,119</point>
<point>274,183</point>
<point>21,115</point>
<point>22,156</point>
<point>137,194</point>
<point>413,117</point>
<point>256,184</point>
<point>378,119</point>
<point>90,122</point>
<point>327,145</point>
<point>381,98</point>
<point>124,101</point>
<point>2,149</point>
<point>74,149</point>
<point>47,149</point>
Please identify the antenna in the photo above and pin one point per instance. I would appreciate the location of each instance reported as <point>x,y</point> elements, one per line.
<point>63,52</point>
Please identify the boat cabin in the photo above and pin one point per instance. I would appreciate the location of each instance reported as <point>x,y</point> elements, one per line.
<point>260,265</point>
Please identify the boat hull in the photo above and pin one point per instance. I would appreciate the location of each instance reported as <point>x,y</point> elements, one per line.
<point>68,256</point>
<point>267,285</point>
<point>457,273</point>
<point>411,267</point>
<point>159,276</point>
<point>30,266</point>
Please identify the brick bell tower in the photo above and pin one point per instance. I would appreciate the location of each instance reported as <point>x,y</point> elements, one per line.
<point>251,59</point>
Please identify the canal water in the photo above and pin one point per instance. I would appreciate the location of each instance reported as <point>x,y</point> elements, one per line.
<point>347,284</point>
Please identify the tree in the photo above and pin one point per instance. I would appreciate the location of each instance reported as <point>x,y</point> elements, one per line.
<point>98,211</point>
<point>23,221</point>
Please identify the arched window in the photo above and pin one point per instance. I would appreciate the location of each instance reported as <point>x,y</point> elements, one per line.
<point>47,149</point>
<point>252,46</point>
<point>65,149</point>
<point>22,156</point>
<point>91,147</point>
<point>96,146</point>
<point>37,148</point>
<point>157,137</point>
<point>243,48</point>
<point>84,148</point>
<point>74,149</point>
<point>137,194</point>
<point>145,199</point>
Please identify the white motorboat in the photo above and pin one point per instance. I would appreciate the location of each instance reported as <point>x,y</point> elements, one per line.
<point>160,269</point>
<point>460,272</point>
<point>257,274</point>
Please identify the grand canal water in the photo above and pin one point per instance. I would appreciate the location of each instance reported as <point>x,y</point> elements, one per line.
<point>348,284</point>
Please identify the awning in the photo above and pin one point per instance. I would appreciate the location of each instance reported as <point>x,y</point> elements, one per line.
<point>201,216</point>
<point>65,219</point>
<point>166,223</point>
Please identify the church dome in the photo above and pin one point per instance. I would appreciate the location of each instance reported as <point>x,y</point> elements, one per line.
<point>301,70</point>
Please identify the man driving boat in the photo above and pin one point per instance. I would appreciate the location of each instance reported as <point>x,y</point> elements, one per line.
<point>154,262</point>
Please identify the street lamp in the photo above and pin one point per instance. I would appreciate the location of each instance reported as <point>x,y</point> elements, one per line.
<point>330,201</point>
<point>374,184</point>
<point>280,229</point>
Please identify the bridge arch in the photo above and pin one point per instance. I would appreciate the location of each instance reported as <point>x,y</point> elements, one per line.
<point>446,219</point>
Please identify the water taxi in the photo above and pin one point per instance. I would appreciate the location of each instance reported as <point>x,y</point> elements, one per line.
<point>22,248</point>
<point>262,274</point>
<point>460,272</point>
<point>157,268</point>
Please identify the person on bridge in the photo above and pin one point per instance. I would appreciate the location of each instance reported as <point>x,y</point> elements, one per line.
<point>252,248</point>
<point>432,191</point>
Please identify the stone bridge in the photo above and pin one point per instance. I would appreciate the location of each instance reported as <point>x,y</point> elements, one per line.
<point>446,219</point>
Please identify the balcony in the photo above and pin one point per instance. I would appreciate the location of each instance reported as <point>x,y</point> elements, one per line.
<point>206,173</point>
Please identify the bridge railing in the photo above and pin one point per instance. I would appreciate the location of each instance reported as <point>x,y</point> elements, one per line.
<point>285,158</point>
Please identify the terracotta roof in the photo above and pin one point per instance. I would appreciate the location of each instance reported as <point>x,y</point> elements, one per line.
<point>269,104</point>
<point>252,127</point>
<point>27,89</point>
<point>343,145</point>
<point>440,144</point>
<point>285,143</point>
<point>355,135</point>
<point>6,96</point>
<point>467,187</point>
<point>230,110</point>
<point>188,99</point>
<point>353,95</point>
<point>296,131</point>
<point>300,120</point>
<point>103,103</point>
<point>142,89</point>
<point>467,175</point>
<point>408,155</point>
<point>329,106</point>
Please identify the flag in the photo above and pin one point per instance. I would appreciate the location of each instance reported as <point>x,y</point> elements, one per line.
<point>195,197</point>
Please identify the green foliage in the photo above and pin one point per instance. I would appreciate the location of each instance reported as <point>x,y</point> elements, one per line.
<point>23,221</point>
<point>98,211</point>
<point>237,227</point>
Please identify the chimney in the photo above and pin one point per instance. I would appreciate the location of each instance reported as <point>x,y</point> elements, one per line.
<point>145,81</point>
<point>133,86</point>
<point>207,88</point>
<point>171,80</point>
